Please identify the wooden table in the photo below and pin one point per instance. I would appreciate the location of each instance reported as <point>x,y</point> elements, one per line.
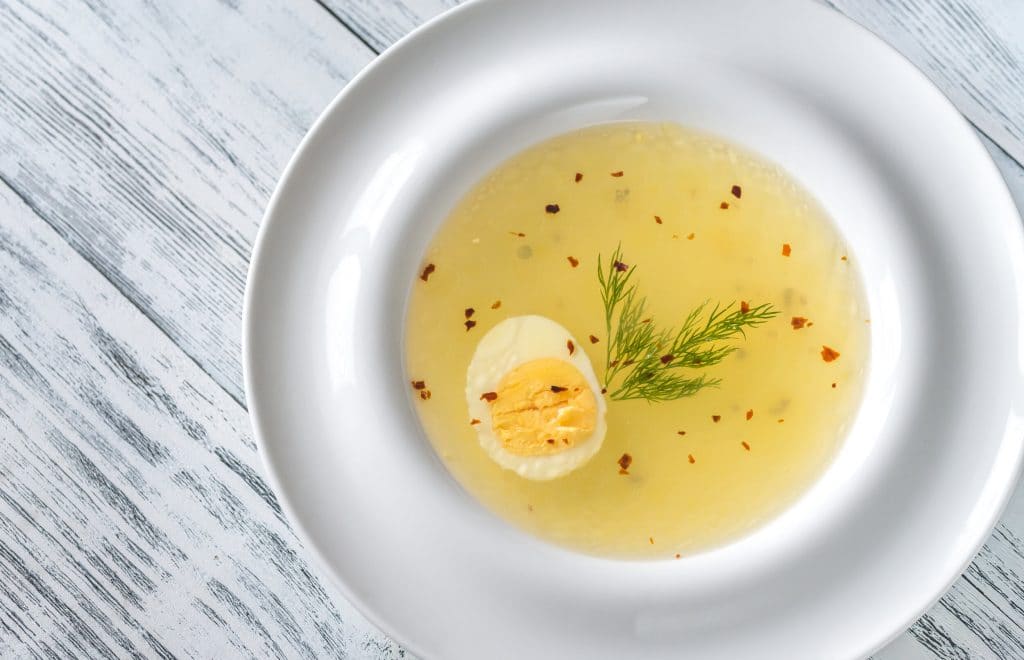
<point>139,143</point>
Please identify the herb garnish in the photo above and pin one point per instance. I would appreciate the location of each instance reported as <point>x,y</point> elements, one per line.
<point>646,361</point>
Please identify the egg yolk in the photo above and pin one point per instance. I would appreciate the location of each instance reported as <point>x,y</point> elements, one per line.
<point>543,407</point>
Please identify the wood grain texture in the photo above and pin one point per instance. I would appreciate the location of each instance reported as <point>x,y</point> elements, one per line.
<point>134,518</point>
<point>150,136</point>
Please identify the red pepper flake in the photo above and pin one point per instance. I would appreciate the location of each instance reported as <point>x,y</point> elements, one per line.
<point>617,174</point>
<point>418,384</point>
<point>556,389</point>
<point>745,445</point>
<point>552,208</point>
<point>798,322</point>
<point>723,205</point>
<point>424,394</point>
<point>488,396</point>
<point>579,177</point>
<point>518,233</point>
<point>604,390</point>
<point>474,421</point>
<point>750,414</point>
<point>647,320</point>
<point>469,325</point>
<point>744,307</point>
<point>786,249</point>
<point>496,304</point>
<point>657,219</point>
<point>737,192</point>
<point>571,346</point>
<point>829,354</point>
<point>593,339</point>
<point>427,270</point>
<point>715,418</point>
<point>651,539</point>
<point>665,359</point>
<point>469,312</point>
<point>573,261</point>
<point>833,386</point>
<point>624,462</point>
<point>678,555</point>
<point>690,237</point>
<point>621,267</point>
<point>681,432</point>
<point>690,458</point>
<point>551,441</point>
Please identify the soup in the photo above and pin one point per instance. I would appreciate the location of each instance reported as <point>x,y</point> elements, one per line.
<point>637,341</point>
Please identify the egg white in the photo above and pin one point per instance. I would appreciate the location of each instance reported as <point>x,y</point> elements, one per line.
<point>512,342</point>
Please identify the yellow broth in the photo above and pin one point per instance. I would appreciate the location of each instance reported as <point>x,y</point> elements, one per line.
<point>683,493</point>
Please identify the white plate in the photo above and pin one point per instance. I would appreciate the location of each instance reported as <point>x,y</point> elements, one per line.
<point>918,484</point>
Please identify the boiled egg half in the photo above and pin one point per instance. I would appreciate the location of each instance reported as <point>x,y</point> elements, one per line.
<point>531,387</point>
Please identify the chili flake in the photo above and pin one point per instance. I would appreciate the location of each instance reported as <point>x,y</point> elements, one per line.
<point>418,384</point>
<point>488,396</point>
<point>579,177</point>
<point>621,267</point>
<point>690,458</point>
<point>744,307</point>
<point>786,249</point>
<point>665,359</point>
<point>678,556</point>
<point>593,339</point>
<point>657,219</point>
<point>571,346</point>
<point>737,192</point>
<point>551,441</point>
<point>681,432</point>
<point>474,421</point>
<point>427,270</point>
<point>829,354</point>
<point>723,205</point>
<point>573,261</point>
<point>833,386</point>
<point>604,390</point>
<point>496,304</point>
<point>552,208</point>
<point>617,174</point>
<point>424,394</point>
<point>469,325</point>
<point>750,414</point>
<point>715,418</point>
<point>624,462</point>
<point>798,322</point>
<point>556,389</point>
<point>745,445</point>
<point>469,312</point>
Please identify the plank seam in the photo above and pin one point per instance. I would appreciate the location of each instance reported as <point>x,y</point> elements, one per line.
<point>128,299</point>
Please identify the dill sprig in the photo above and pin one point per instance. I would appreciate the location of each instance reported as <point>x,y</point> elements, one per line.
<point>648,362</point>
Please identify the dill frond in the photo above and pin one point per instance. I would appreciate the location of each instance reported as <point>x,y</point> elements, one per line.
<point>647,362</point>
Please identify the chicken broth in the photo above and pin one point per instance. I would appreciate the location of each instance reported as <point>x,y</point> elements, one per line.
<point>695,220</point>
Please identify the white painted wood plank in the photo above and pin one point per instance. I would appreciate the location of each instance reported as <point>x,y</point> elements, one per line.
<point>150,135</point>
<point>973,51</point>
<point>134,520</point>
